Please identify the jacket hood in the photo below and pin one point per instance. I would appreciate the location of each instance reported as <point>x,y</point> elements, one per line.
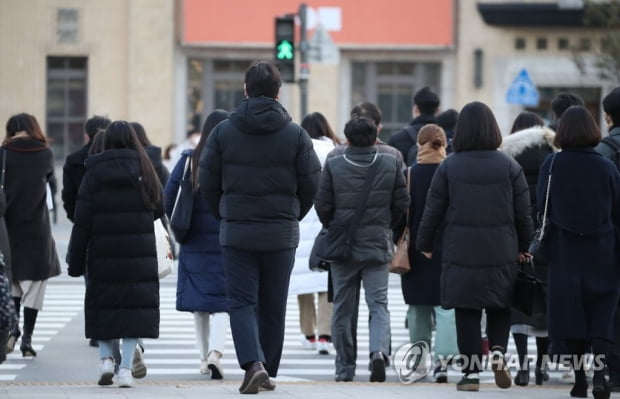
<point>115,167</point>
<point>259,115</point>
<point>25,144</point>
<point>518,142</point>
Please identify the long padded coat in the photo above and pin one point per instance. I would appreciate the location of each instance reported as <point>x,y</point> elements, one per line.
<point>483,198</point>
<point>201,284</point>
<point>584,275</point>
<point>29,166</point>
<point>113,243</point>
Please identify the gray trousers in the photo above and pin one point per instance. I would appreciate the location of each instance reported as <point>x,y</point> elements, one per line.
<point>346,279</point>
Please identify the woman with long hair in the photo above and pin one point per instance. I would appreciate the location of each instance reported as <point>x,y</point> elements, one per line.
<point>315,323</point>
<point>29,166</point>
<point>113,242</point>
<point>201,285</point>
<point>480,197</point>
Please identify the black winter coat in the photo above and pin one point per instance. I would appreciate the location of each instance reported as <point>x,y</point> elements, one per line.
<point>407,138</point>
<point>162,172</point>
<point>29,165</point>
<point>421,284</point>
<point>483,198</point>
<point>113,243</point>
<point>259,174</point>
<point>72,175</point>
<point>342,182</point>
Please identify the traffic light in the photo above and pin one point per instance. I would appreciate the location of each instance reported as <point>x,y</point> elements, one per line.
<point>285,47</point>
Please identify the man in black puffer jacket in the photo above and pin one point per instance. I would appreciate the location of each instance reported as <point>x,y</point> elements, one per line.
<point>259,174</point>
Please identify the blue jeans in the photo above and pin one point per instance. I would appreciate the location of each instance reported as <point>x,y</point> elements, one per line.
<point>128,346</point>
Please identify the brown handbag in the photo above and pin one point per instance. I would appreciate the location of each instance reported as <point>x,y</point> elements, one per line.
<point>400,261</point>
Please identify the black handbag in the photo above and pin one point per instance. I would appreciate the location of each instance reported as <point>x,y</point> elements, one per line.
<point>181,217</point>
<point>529,295</point>
<point>539,248</point>
<point>334,244</point>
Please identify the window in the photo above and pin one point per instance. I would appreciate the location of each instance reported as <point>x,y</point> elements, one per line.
<point>391,86</point>
<point>563,43</point>
<point>67,25</point>
<point>585,44</point>
<point>66,103</point>
<point>520,43</point>
<point>541,43</point>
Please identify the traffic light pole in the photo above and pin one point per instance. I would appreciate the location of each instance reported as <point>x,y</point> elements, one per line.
<point>303,57</point>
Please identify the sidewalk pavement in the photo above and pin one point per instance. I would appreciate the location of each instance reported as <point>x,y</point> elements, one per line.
<point>312,390</point>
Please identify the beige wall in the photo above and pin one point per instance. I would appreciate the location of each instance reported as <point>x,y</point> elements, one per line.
<point>129,45</point>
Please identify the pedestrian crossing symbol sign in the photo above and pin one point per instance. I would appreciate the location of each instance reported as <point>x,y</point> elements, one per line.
<point>523,91</point>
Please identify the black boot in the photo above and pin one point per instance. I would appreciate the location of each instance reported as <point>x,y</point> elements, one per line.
<point>4,337</point>
<point>600,388</point>
<point>30,318</point>
<point>14,333</point>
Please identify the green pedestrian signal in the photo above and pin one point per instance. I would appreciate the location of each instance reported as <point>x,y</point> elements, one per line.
<point>285,50</point>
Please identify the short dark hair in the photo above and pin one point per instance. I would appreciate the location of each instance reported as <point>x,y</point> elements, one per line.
<point>476,129</point>
<point>611,106</point>
<point>562,101</point>
<point>577,129</point>
<point>368,110</point>
<point>525,120</point>
<point>361,132</point>
<point>262,78</point>
<point>95,124</point>
<point>447,119</point>
<point>426,101</point>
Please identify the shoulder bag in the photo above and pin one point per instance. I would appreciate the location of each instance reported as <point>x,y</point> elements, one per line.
<point>181,217</point>
<point>539,248</point>
<point>529,294</point>
<point>164,249</point>
<point>400,262</point>
<point>334,244</point>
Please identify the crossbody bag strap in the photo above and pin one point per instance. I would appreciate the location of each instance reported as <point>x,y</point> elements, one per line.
<point>3,167</point>
<point>188,166</point>
<point>544,220</point>
<point>408,190</point>
<point>359,211</point>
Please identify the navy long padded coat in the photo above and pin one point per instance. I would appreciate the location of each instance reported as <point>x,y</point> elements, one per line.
<point>584,273</point>
<point>113,243</point>
<point>201,284</point>
<point>483,197</point>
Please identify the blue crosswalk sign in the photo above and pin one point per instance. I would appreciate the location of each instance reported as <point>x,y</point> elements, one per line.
<point>523,91</point>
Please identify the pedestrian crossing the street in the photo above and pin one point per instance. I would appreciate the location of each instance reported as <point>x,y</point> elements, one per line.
<point>175,356</point>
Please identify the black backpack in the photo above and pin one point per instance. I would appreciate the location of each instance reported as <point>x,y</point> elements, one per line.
<point>615,158</point>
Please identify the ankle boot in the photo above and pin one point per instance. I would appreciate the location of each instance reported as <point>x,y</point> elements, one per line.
<point>4,337</point>
<point>30,318</point>
<point>600,389</point>
<point>14,334</point>
<point>580,388</point>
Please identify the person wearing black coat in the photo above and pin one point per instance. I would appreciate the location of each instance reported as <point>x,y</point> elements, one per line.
<point>529,143</point>
<point>482,197</point>
<point>153,152</point>
<point>340,192</point>
<point>73,169</point>
<point>29,165</point>
<point>425,105</point>
<point>259,174</point>
<point>421,284</point>
<point>113,242</point>
<point>584,288</point>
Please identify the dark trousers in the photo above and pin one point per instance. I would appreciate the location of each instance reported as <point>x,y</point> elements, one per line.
<point>469,335</point>
<point>614,357</point>
<point>257,285</point>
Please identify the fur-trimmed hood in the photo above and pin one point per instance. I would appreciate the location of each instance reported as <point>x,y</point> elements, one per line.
<point>516,143</point>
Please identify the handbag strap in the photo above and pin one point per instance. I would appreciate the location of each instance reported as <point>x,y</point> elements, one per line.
<point>188,166</point>
<point>370,177</point>
<point>408,190</point>
<point>3,167</point>
<point>544,220</point>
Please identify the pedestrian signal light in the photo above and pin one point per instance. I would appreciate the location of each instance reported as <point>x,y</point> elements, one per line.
<point>285,47</point>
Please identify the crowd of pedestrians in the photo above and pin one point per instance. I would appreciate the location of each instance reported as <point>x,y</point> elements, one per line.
<point>262,187</point>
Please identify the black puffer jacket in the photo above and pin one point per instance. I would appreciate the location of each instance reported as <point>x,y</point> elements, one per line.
<point>113,242</point>
<point>407,138</point>
<point>342,182</point>
<point>483,198</point>
<point>259,174</point>
<point>72,175</point>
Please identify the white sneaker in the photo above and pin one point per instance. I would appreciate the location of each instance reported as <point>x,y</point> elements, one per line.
<point>138,366</point>
<point>568,376</point>
<point>213,362</point>
<point>308,344</point>
<point>106,371</point>
<point>204,367</point>
<point>125,380</point>
<point>323,346</point>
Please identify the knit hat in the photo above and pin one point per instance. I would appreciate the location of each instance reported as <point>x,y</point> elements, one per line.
<point>431,144</point>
